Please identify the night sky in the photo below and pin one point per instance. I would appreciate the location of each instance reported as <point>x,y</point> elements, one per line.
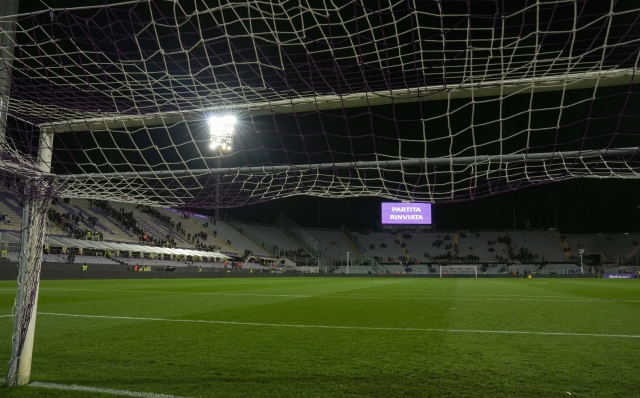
<point>580,206</point>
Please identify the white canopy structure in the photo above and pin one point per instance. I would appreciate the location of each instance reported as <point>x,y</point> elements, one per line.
<point>58,241</point>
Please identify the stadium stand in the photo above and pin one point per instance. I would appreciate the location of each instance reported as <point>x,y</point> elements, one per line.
<point>11,211</point>
<point>192,225</point>
<point>224,232</point>
<point>478,244</point>
<point>119,229</point>
<point>381,245</point>
<point>544,244</point>
<point>396,250</point>
<point>158,228</point>
<point>273,237</point>
<point>333,243</point>
<point>110,229</point>
<point>610,246</point>
<point>435,244</point>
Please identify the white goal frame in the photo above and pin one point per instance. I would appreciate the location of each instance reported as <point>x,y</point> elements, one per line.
<point>458,267</point>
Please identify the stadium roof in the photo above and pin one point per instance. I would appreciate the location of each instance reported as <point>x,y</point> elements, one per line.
<point>58,241</point>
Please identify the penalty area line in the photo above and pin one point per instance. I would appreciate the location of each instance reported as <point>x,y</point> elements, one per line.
<point>75,387</point>
<point>380,328</point>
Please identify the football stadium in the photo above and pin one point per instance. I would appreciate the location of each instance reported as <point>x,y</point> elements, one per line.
<point>319,198</point>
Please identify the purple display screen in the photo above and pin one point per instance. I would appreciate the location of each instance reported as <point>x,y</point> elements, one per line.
<point>406,213</point>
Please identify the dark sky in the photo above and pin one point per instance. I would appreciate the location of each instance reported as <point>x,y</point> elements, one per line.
<point>583,205</point>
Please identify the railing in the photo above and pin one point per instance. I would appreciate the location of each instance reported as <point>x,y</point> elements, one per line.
<point>102,226</point>
<point>379,268</point>
<point>257,239</point>
<point>625,260</point>
<point>108,218</point>
<point>304,261</point>
<point>354,242</point>
<point>308,242</point>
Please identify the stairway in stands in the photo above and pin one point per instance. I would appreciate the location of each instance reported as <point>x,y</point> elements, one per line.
<point>564,245</point>
<point>102,227</point>
<point>353,244</point>
<point>160,231</point>
<point>363,251</point>
<point>69,209</point>
<point>214,239</point>
<point>400,239</point>
<point>634,251</point>
<point>8,201</point>
<point>105,216</point>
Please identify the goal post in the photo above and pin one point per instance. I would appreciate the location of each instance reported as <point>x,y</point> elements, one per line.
<point>26,303</point>
<point>459,270</point>
<point>33,231</point>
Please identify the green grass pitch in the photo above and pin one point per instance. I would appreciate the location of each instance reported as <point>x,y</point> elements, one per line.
<point>335,337</point>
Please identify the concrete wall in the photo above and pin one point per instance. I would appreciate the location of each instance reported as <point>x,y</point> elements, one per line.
<point>59,271</point>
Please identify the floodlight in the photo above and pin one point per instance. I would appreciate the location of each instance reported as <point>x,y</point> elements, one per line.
<point>221,129</point>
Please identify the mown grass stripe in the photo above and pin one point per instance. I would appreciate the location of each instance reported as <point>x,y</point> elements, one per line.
<point>515,297</point>
<point>285,325</point>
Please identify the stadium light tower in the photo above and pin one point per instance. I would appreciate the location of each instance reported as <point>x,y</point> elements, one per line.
<point>221,129</point>
<point>581,251</point>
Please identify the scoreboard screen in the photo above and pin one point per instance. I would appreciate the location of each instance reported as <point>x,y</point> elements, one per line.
<point>406,213</point>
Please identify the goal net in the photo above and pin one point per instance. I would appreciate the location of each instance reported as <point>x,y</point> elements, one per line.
<point>459,271</point>
<point>417,101</point>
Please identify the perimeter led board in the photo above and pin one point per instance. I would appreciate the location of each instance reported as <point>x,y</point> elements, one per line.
<point>406,213</point>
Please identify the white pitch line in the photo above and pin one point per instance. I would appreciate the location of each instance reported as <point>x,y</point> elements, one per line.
<point>286,325</point>
<point>74,387</point>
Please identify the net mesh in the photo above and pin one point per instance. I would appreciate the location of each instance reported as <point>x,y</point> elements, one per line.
<point>411,100</point>
<point>30,262</point>
<point>454,270</point>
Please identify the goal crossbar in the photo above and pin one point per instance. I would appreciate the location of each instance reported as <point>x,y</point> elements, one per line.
<point>467,89</point>
<point>380,164</point>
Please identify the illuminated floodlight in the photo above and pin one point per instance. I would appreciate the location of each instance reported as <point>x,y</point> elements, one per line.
<point>221,129</point>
